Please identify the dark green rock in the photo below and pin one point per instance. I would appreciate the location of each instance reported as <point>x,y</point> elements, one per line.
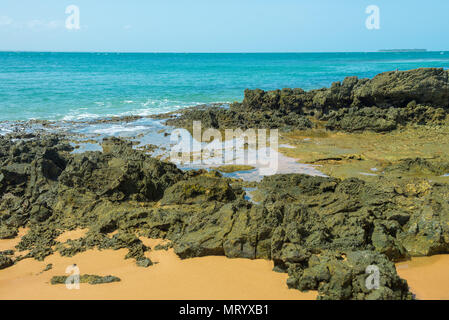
<point>5,261</point>
<point>145,263</point>
<point>382,104</point>
<point>322,231</point>
<point>86,278</point>
<point>8,232</point>
<point>198,190</point>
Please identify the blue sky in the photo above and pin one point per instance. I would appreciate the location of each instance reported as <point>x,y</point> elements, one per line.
<point>223,26</point>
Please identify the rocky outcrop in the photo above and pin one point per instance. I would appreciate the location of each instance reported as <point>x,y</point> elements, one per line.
<point>323,232</point>
<point>344,276</point>
<point>200,189</point>
<point>427,86</point>
<point>238,117</point>
<point>381,104</point>
<point>316,214</point>
<point>383,119</point>
<point>119,173</point>
<point>7,232</point>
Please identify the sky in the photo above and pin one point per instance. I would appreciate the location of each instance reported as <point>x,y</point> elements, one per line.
<point>223,26</point>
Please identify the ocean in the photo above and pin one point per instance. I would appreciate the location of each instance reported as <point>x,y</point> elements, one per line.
<point>80,86</point>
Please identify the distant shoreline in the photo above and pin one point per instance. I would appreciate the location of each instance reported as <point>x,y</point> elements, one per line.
<point>230,52</point>
<point>403,50</point>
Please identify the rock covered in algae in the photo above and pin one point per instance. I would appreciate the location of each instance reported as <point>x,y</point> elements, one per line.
<point>322,231</point>
<point>199,189</point>
<point>383,119</point>
<point>50,190</point>
<point>7,232</point>
<point>231,168</point>
<point>427,86</point>
<point>144,263</point>
<point>86,278</point>
<point>344,277</point>
<point>418,166</point>
<point>5,261</point>
<point>119,173</point>
<point>397,88</point>
<point>381,104</point>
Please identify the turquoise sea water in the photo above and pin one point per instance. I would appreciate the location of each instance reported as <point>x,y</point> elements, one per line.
<point>70,86</point>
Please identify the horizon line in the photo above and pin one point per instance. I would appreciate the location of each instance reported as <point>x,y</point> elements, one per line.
<point>223,52</point>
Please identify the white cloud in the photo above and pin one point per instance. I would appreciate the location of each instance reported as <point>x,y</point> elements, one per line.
<point>33,24</point>
<point>43,24</point>
<point>55,24</point>
<point>36,24</point>
<point>5,21</point>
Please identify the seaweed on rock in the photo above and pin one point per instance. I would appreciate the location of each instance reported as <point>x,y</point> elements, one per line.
<point>382,104</point>
<point>322,231</point>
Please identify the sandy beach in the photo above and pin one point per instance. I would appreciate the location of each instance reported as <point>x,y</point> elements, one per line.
<point>427,277</point>
<point>358,187</point>
<point>170,278</point>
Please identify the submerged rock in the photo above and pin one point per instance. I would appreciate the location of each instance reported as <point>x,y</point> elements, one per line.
<point>418,166</point>
<point>231,168</point>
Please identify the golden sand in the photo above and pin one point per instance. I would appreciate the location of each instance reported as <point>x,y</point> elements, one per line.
<point>427,277</point>
<point>72,235</point>
<point>171,278</point>
<point>9,244</point>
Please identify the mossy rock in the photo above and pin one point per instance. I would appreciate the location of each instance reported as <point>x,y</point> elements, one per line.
<point>5,261</point>
<point>234,168</point>
<point>199,190</point>
<point>8,232</point>
<point>86,278</point>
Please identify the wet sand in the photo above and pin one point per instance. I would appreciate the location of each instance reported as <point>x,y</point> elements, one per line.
<point>171,278</point>
<point>427,277</point>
